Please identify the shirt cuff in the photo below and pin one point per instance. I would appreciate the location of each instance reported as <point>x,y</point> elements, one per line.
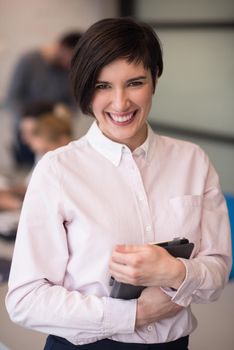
<point>183,295</point>
<point>119,316</point>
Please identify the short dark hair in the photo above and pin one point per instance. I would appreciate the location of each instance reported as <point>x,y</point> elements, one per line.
<point>69,40</point>
<point>106,41</point>
<point>35,109</point>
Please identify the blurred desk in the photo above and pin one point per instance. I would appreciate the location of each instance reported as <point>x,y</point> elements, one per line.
<point>8,224</point>
<point>6,251</point>
<point>16,337</point>
<point>5,265</point>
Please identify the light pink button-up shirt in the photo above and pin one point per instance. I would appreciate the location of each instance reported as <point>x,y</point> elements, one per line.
<point>85,198</point>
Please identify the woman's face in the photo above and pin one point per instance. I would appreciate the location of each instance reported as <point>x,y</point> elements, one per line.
<point>122,101</point>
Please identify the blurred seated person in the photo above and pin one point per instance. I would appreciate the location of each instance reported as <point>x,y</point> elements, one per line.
<point>30,113</point>
<point>11,194</point>
<point>40,75</point>
<point>43,133</point>
<point>51,130</point>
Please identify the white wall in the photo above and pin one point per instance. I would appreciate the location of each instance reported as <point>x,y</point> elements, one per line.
<point>185,9</point>
<point>196,89</point>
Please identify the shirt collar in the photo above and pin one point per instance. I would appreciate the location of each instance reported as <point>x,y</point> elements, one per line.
<point>147,148</point>
<point>113,150</point>
<point>108,148</point>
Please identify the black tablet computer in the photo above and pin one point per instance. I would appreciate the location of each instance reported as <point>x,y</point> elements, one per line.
<point>178,247</point>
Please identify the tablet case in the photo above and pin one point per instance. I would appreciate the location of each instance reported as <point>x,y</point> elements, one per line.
<point>180,248</point>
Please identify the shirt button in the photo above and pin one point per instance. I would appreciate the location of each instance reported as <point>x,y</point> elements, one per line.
<point>150,328</point>
<point>148,228</point>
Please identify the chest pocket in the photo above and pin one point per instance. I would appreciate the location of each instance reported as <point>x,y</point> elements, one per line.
<point>185,215</point>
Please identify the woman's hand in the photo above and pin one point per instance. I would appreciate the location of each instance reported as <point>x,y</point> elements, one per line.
<point>154,305</point>
<point>146,265</point>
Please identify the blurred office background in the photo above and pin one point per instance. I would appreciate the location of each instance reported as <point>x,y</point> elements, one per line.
<point>194,101</point>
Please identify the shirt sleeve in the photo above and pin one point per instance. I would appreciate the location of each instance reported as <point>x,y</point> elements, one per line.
<point>37,298</point>
<point>207,273</point>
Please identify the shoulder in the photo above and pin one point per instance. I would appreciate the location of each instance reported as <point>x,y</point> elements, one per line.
<point>179,145</point>
<point>30,56</point>
<point>177,150</point>
<point>27,61</point>
<point>184,157</point>
<point>68,150</point>
<point>55,165</point>
<point>62,155</point>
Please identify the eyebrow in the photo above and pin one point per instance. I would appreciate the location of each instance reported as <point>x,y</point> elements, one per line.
<point>141,77</point>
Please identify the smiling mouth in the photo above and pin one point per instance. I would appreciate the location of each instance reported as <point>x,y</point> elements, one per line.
<point>122,118</point>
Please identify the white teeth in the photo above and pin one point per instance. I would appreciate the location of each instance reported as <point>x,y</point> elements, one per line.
<point>121,119</point>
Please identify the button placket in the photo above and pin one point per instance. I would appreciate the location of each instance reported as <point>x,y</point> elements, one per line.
<point>142,200</point>
<point>150,328</point>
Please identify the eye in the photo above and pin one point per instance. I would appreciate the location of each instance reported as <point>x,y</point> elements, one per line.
<point>102,86</point>
<point>135,83</point>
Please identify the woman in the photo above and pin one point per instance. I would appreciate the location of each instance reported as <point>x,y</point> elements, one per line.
<point>93,206</point>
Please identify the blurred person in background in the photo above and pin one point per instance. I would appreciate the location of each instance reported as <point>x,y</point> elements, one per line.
<point>31,117</point>
<point>30,113</point>
<point>44,128</point>
<point>40,75</point>
<point>51,131</point>
<point>12,190</point>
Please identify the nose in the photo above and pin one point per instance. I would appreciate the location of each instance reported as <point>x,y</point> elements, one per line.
<point>120,100</point>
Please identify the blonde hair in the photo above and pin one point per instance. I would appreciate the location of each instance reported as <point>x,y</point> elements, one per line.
<point>52,126</point>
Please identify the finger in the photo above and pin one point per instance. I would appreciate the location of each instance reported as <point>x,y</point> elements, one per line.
<point>124,273</point>
<point>124,279</point>
<point>120,269</point>
<point>129,254</point>
<point>128,248</point>
<point>120,258</point>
